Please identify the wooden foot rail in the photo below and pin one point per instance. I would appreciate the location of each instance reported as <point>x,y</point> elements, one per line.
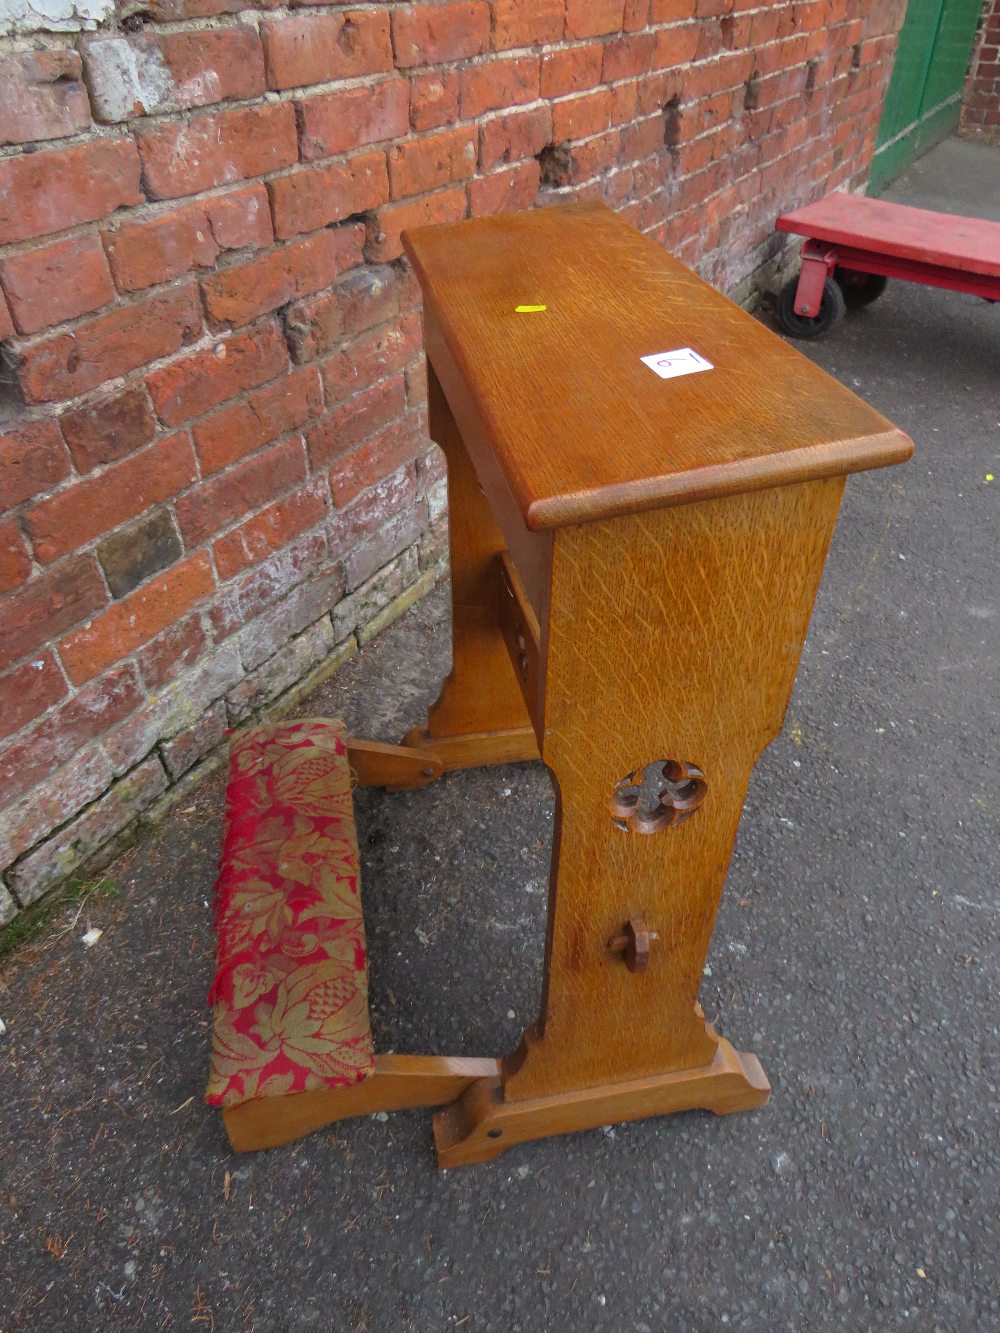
<point>397,1083</point>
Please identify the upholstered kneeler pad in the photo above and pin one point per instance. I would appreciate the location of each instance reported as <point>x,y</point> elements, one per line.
<point>290,995</point>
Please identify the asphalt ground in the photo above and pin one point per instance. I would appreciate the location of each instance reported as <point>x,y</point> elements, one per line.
<point>856,953</point>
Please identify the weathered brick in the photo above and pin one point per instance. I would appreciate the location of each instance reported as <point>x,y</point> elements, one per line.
<point>56,283</point>
<point>53,803</point>
<point>132,554</point>
<point>238,294</point>
<point>432,552</point>
<point>303,606</point>
<point>373,597</point>
<point>41,96</point>
<point>505,191</point>
<point>636,14</point>
<point>182,752</point>
<point>676,46</point>
<point>240,219</point>
<point>375,459</point>
<point>6,320</point>
<point>593,157</point>
<point>266,585</point>
<point>28,690</point>
<point>434,99</point>
<point>15,562</point>
<point>196,383</point>
<point>371,357</point>
<point>128,624</point>
<point>49,604</point>
<point>391,221</point>
<point>390,538</point>
<point>175,708</point>
<point>416,383</point>
<point>240,490</point>
<point>32,459</point>
<point>55,740</point>
<point>286,668</point>
<point>145,252</point>
<point>353,421</point>
<point>593,18</point>
<point>180,645</point>
<point>317,195</point>
<point>319,48</point>
<point>182,157</point>
<point>428,34</point>
<point>146,73</point>
<point>527,22</point>
<point>268,413</point>
<point>378,525</point>
<point>353,118</point>
<point>108,429</point>
<point>419,165</point>
<point>498,83</point>
<point>514,137</point>
<point>62,187</point>
<point>79,513</point>
<point>66,364</point>
<point>626,57</point>
<point>270,530</point>
<point>571,69</point>
<point>432,481</point>
<point>579,117</point>
<point>68,849</point>
<point>364,298</point>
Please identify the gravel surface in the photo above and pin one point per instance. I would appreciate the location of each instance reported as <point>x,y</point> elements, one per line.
<point>857,952</point>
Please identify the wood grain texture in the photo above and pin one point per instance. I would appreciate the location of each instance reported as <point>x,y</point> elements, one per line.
<point>579,428</point>
<point>671,635</point>
<point>396,1083</point>
<point>969,244</point>
<point>482,1124</point>
<point>397,767</point>
<point>482,693</point>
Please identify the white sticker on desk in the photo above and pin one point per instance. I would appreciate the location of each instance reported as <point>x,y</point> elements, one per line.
<point>682,361</point>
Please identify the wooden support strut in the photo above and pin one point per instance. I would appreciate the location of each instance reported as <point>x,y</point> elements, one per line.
<point>397,1083</point>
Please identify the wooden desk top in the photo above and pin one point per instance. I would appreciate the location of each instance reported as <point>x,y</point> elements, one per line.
<point>581,428</point>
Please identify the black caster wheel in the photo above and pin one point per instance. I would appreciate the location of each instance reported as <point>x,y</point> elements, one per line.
<point>831,311</point>
<point>860,289</point>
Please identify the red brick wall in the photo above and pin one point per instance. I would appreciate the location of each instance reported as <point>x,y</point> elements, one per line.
<point>981,103</point>
<point>214,466</point>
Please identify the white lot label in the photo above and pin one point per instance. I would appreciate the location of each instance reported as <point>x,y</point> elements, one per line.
<point>683,361</point>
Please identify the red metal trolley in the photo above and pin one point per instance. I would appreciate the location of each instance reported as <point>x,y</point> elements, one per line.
<point>854,244</point>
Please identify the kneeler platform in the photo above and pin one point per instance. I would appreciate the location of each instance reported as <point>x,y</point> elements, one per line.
<point>643,483</point>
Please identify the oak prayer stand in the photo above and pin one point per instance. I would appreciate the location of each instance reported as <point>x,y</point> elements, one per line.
<point>636,545</point>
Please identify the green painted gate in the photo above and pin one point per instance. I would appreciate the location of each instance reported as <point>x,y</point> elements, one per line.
<point>925,92</point>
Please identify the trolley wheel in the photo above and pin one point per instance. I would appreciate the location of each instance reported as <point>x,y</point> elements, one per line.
<point>831,311</point>
<point>860,289</point>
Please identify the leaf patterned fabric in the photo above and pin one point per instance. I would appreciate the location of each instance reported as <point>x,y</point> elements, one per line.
<point>290,995</point>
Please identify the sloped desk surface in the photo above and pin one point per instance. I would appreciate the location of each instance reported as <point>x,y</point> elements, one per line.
<point>581,428</point>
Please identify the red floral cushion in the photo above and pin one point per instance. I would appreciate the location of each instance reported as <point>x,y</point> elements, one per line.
<point>290,995</point>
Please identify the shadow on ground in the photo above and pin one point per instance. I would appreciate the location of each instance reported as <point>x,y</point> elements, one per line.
<point>857,952</point>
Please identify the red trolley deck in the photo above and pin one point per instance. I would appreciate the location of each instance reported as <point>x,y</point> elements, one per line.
<point>855,243</point>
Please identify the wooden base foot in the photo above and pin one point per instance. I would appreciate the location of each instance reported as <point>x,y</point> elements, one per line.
<point>397,1083</point>
<point>481,1125</point>
<point>477,748</point>
<point>396,767</point>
